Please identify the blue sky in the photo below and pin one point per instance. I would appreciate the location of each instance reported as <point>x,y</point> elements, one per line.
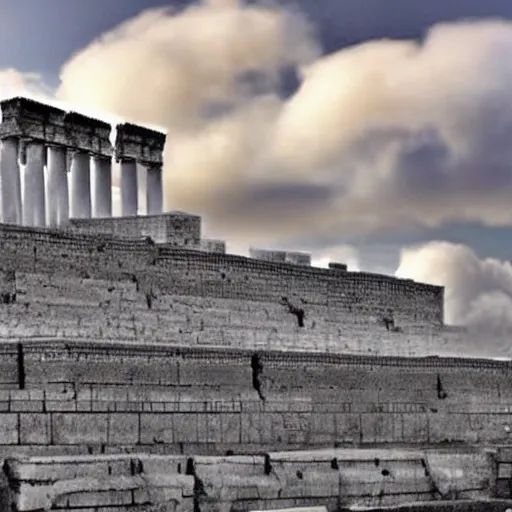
<point>40,36</point>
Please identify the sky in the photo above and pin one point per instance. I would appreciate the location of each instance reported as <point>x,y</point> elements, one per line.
<point>369,132</point>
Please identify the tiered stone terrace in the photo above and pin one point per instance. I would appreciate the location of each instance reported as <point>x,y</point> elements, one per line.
<point>128,336</point>
<point>80,285</point>
<point>96,398</point>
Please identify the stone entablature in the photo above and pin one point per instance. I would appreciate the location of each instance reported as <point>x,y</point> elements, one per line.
<point>30,120</point>
<point>140,144</point>
<point>87,134</point>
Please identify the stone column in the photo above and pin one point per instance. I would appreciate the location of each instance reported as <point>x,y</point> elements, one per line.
<point>154,192</point>
<point>129,199</point>
<point>11,183</point>
<point>137,144</point>
<point>34,205</point>
<point>81,186</point>
<point>102,186</point>
<point>58,191</point>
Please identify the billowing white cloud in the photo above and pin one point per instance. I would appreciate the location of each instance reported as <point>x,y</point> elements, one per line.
<point>17,83</point>
<point>382,135</point>
<point>478,292</point>
<point>341,254</point>
<point>170,67</point>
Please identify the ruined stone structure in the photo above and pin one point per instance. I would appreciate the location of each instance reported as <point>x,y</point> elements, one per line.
<point>142,368</point>
<point>36,135</point>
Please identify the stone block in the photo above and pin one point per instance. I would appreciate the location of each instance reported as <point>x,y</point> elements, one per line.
<point>505,470</point>
<point>378,428</point>
<point>46,469</point>
<point>460,471</point>
<point>164,464</point>
<point>35,429</point>
<point>110,394</point>
<point>111,498</point>
<point>231,428</point>
<point>9,429</point>
<point>60,406</point>
<point>250,428</point>
<point>322,428</point>
<point>157,428</point>
<point>415,428</point>
<point>123,428</point>
<point>185,428</point>
<point>158,406</point>
<point>100,406</point>
<point>265,422</point>
<point>20,394</point>
<point>74,428</point>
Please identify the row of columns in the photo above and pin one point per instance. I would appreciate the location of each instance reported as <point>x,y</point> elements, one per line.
<point>33,210</point>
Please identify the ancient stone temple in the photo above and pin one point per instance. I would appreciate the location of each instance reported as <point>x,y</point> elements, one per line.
<point>38,135</point>
<point>142,368</point>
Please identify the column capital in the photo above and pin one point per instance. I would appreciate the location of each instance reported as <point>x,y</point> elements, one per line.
<point>23,117</point>
<point>88,134</point>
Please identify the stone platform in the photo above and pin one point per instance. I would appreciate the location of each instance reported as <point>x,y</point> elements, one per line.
<point>335,479</point>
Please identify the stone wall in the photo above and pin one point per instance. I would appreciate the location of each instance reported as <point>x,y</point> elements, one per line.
<point>208,245</point>
<point>172,271</point>
<point>336,479</point>
<point>504,472</point>
<point>296,258</point>
<point>178,229</point>
<point>98,398</point>
<point>57,305</point>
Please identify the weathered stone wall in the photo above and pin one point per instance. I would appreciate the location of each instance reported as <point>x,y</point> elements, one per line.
<point>343,296</point>
<point>46,305</point>
<point>100,483</point>
<point>297,258</point>
<point>98,398</point>
<point>171,228</point>
<point>503,473</point>
<point>335,479</point>
<point>217,246</point>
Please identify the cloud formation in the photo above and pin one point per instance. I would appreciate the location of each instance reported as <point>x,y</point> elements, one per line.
<point>17,83</point>
<point>478,292</point>
<point>381,135</point>
<point>338,253</point>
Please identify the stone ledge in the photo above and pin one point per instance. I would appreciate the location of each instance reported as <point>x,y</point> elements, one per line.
<point>71,349</point>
